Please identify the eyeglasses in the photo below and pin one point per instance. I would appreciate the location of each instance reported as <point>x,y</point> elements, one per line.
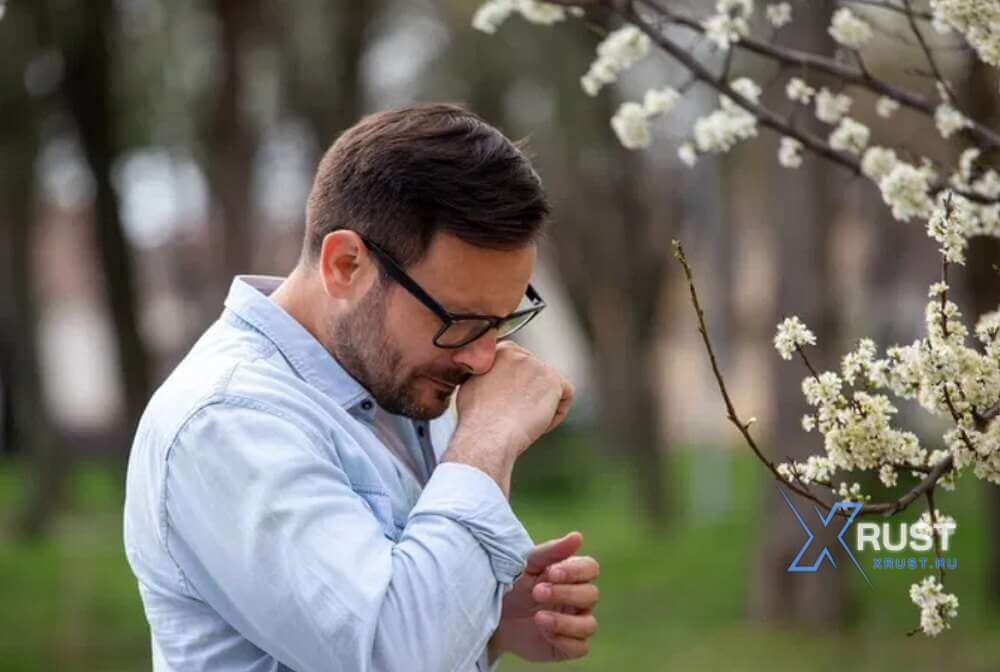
<point>459,329</point>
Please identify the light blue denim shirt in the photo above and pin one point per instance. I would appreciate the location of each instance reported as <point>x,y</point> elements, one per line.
<point>270,529</point>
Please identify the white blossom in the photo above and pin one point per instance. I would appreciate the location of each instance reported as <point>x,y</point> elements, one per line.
<point>988,185</point>
<point>937,608</point>
<point>830,107</point>
<point>949,120</point>
<point>978,20</point>
<point>729,23</point>
<point>904,189</point>
<point>808,423</point>
<point>878,162</point>
<point>779,13</point>
<point>631,121</point>
<point>687,154</point>
<point>850,136</point>
<point>619,50</point>
<point>798,91</point>
<point>939,524</point>
<point>937,289</point>
<point>542,13</point>
<point>859,362</point>
<point>631,125</point>
<point>491,14</point>
<point>747,88</point>
<point>988,327</point>
<point>887,475</point>
<point>722,129</point>
<point>815,469</point>
<point>967,163</point>
<point>790,152</point>
<point>660,101</point>
<point>948,225</point>
<point>852,493</point>
<point>848,30</point>
<point>885,107</point>
<point>792,334</point>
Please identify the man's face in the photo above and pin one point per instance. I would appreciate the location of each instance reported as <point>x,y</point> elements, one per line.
<point>386,340</point>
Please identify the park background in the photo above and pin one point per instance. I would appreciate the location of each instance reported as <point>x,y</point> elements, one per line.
<point>150,150</point>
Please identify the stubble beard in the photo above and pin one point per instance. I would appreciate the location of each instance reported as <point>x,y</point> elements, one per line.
<point>361,344</point>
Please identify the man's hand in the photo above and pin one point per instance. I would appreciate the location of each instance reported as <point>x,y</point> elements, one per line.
<point>548,614</point>
<point>503,411</point>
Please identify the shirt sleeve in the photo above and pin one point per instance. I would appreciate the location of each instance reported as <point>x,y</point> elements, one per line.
<point>266,528</point>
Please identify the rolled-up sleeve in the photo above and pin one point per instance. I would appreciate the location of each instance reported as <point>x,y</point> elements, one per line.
<point>267,529</point>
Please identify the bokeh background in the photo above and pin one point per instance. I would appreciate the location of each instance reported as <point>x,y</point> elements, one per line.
<point>150,150</point>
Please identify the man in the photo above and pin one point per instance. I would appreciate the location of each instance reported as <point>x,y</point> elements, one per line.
<point>299,495</point>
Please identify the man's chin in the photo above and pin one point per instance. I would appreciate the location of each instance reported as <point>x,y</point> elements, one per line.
<point>435,406</point>
<point>426,400</point>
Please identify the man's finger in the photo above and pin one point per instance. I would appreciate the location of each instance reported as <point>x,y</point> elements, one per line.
<point>562,410</point>
<point>569,648</point>
<point>576,569</point>
<point>577,595</point>
<point>554,624</point>
<point>552,551</point>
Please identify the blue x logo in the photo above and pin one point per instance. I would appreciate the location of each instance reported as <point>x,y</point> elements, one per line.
<point>853,508</point>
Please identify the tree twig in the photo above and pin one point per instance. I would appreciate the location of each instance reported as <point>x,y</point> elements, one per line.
<point>935,536</point>
<point>885,508</point>
<point>931,61</point>
<point>980,132</point>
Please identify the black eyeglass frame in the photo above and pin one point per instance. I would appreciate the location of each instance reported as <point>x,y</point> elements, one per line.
<point>395,271</point>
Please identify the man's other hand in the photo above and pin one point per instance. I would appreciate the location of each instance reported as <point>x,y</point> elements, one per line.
<point>548,614</point>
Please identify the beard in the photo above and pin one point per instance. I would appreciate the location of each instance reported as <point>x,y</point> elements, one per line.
<point>360,343</point>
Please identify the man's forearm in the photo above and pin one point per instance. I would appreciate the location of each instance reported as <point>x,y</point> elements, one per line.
<point>487,448</point>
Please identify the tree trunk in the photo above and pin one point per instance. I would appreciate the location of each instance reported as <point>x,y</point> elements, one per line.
<point>612,249</point>
<point>27,423</point>
<point>231,145</point>
<point>89,49</point>
<point>983,282</point>
<point>802,217</point>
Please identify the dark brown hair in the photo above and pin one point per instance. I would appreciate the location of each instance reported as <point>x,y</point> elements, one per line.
<point>400,176</point>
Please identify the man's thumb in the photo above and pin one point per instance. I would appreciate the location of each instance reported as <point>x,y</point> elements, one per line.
<point>552,551</point>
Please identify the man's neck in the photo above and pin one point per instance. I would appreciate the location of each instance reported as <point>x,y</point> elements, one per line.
<point>295,296</point>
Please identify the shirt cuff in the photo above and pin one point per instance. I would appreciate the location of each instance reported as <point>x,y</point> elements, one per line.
<point>468,496</point>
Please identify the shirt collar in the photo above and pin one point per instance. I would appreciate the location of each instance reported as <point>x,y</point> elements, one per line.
<point>248,299</point>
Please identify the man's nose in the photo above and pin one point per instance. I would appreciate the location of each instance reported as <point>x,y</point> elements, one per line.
<point>477,357</point>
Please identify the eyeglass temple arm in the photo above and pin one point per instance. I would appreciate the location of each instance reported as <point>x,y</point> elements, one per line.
<point>402,278</point>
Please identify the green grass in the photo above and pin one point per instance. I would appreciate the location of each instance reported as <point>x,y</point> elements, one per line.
<point>670,602</point>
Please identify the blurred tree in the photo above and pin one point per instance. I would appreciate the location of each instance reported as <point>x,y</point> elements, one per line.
<point>984,284</point>
<point>610,247</point>
<point>85,33</point>
<point>612,252</point>
<point>802,228</point>
<point>230,140</point>
<point>321,63</point>
<point>27,424</point>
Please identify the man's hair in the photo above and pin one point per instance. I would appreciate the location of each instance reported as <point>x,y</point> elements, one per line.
<point>400,176</point>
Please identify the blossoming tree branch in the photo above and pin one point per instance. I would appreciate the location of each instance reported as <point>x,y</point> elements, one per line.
<point>950,372</point>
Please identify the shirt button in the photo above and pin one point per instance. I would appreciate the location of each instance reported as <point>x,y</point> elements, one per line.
<point>420,430</point>
<point>366,404</point>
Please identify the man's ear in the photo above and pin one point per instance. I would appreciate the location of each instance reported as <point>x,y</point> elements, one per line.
<point>345,266</point>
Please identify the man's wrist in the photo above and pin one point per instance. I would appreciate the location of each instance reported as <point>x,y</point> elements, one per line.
<point>484,450</point>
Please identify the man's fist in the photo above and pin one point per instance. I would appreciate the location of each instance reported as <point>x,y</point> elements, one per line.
<point>519,398</point>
